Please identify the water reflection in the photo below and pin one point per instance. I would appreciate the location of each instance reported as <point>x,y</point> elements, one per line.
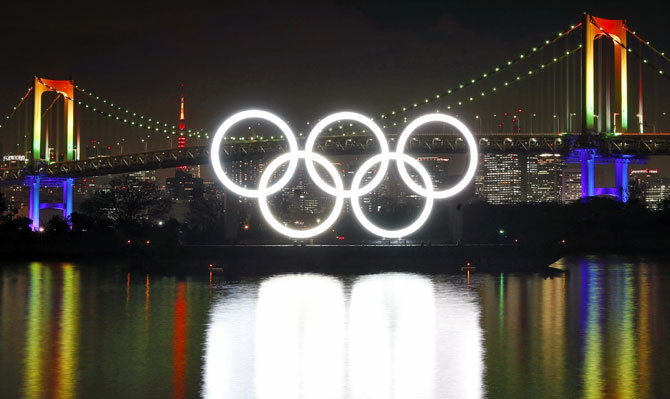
<point>595,330</point>
<point>311,341</point>
<point>593,369</point>
<point>51,342</point>
<point>228,362</point>
<point>299,337</point>
<point>179,342</point>
<point>392,337</point>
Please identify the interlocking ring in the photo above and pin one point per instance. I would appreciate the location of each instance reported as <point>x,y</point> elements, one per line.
<point>400,159</point>
<point>355,192</point>
<point>364,120</point>
<point>263,203</point>
<point>472,148</point>
<point>216,151</point>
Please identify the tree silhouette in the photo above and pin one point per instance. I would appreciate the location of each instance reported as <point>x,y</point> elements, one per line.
<point>128,203</point>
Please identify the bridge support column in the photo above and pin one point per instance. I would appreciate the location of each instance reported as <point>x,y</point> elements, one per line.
<point>621,172</point>
<point>587,161</point>
<point>34,209</point>
<point>68,183</point>
<point>35,182</point>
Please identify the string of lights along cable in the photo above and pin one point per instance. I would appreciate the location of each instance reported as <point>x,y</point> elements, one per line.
<point>337,190</point>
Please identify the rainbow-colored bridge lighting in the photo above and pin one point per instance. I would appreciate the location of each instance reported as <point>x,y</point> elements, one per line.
<point>383,158</point>
<point>615,30</point>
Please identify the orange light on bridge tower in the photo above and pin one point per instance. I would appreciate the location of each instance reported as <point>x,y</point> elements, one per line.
<point>614,29</point>
<point>66,88</point>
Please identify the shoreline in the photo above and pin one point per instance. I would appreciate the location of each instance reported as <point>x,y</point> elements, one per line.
<point>234,261</point>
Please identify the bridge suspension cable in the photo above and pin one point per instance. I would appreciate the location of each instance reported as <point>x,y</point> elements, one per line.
<point>151,125</point>
<point>518,78</point>
<point>125,110</point>
<point>393,114</point>
<point>647,43</point>
<point>630,50</point>
<point>474,81</point>
<point>46,111</point>
<point>16,107</point>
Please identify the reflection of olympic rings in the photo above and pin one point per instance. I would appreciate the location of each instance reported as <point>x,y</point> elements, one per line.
<point>338,190</point>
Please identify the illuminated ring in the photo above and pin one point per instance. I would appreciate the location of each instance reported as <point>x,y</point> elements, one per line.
<point>400,158</point>
<point>293,157</point>
<point>364,120</point>
<point>472,148</point>
<point>216,150</point>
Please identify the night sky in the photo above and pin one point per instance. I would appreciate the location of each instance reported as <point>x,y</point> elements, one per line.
<point>301,60</point>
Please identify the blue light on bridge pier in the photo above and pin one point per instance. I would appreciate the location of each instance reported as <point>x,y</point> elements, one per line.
<point>35,182</point>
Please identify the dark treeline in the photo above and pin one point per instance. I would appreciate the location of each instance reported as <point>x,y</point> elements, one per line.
<point>597,224</point>
<point>133,218</point>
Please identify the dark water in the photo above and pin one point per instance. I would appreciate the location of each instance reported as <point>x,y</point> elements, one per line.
<point>599,330</point>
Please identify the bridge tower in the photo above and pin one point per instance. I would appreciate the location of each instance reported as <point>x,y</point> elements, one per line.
<point>592,29</point>
<point>65,88</point>
<point>614,29</point>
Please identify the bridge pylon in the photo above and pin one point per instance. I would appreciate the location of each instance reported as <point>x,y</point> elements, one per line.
<point>614,29</point>
<point>66,88</point>
<point>586,153</point>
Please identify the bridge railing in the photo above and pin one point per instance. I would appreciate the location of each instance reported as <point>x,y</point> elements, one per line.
<point>633,144</point>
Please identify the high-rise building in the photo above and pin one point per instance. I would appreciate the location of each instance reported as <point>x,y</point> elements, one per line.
<point>500,179</point>
<point>247,172</point>
<point>544,177</point>
<point>137,179</point>
<point>437,167</point>
<point>572,185</point>
<point>515,178</point>
<point>649,186</point>
<point>184,186</point>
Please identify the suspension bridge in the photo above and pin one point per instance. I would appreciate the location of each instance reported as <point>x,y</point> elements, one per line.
<point>593,93</point>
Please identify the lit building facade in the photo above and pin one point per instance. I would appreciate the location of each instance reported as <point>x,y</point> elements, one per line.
<point>649,186</point>
<point>517,178</point>
<point>500,178</point>
<point>184,186</point>
<point>544,178</point>
<point>572,185</point>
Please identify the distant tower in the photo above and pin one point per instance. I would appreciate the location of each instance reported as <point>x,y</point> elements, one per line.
<point>181,140</point>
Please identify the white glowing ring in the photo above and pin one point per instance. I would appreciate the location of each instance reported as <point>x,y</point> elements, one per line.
<point>364,120</point>
<point>293,157</point>
<point>400,158</point>
<point>216,150</point>
<point>472,149</point>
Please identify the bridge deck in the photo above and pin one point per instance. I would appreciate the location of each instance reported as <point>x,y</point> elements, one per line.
<point>634,144</point>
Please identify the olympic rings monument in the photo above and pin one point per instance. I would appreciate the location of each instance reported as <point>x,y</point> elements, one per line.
<point>341,194</point>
